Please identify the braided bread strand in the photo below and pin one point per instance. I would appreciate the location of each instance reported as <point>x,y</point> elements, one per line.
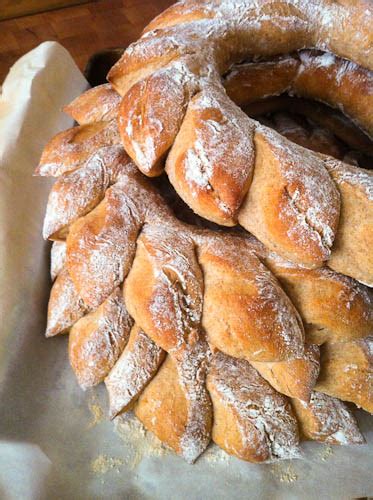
<point>122,210</point>
<point>173,98</point>
<point>173,324</point>
<point>304,221</point>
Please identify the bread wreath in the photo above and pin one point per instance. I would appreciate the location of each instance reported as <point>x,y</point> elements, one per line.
<point>150,346</point>
<point>174,98</point>
<point>163,294</point>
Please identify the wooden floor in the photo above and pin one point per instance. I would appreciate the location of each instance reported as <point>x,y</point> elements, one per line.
<point>82,30</point>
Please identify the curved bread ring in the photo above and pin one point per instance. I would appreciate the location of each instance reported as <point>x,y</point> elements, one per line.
<point>202,166</point>
<point>337,82</point>
<point>217,33</point>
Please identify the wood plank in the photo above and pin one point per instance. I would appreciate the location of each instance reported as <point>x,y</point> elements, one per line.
<point>82,29</point>
<point>10,9</point>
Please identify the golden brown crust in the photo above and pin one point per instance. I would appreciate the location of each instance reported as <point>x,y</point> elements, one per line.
<point>76,193</point>
<point>327,420</point>
<point>162,406</point>
<point>156,275</point>
<point>294,209</point>
<point>163,290</point>
<point>223,32</point>
<point>303,377</point>
<point>293,204</point>
<point>97,340</point>
<point>101,245</point>
<point>333,307</point>
<point>212,175</point>
<point>332,80</point>
<point>251,420</point>
<point>324,77</point>
<point>142,111</point>
<point>316,15</point>
<point>355,185</point>
<point>70,149</point>
<point>176,405</point>
<point>352,253</point>
<point>295,378</point>
<point>64,307</point>
<point>137,365</point>
<point>250,82</point>
<point>177,13</point>
<point>97,104</point>
<point>347,371</point>
<point>245,313</point>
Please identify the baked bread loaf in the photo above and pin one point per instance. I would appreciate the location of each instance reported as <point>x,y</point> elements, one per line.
<point>265,218</point>
<point>207,334</point>
<point>295,209</point>
<point>124,342</point>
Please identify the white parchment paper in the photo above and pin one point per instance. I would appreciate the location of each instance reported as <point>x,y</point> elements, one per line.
<point>55,439</point>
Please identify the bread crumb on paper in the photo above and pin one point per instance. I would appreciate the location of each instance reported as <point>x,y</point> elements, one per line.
<point>139,441</point>
<point>96,411</point>
<point>214,455</point>
<point>103,464</point>
<point>284,474</point>
<point>326,453</point>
